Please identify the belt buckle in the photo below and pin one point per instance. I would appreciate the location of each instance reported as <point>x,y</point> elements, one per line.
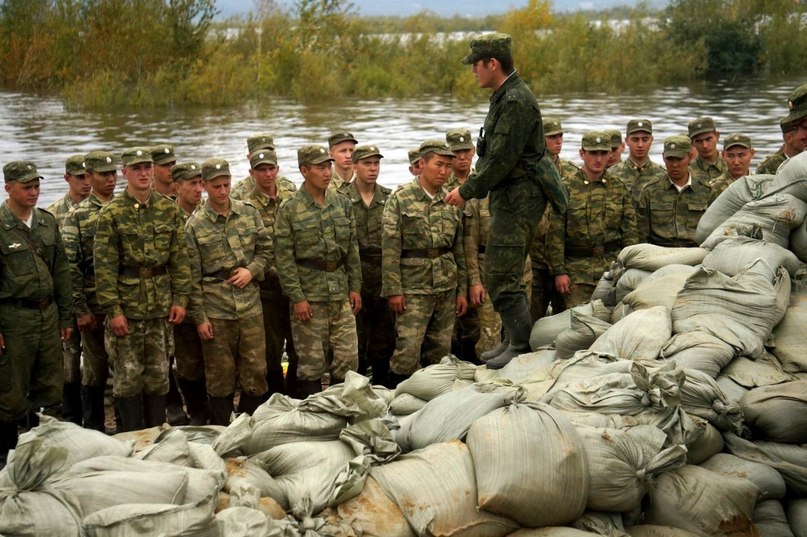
<point>598,251</point>
<point>145,272</point>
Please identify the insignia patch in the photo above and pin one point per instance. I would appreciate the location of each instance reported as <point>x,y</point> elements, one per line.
<point>14,246</point>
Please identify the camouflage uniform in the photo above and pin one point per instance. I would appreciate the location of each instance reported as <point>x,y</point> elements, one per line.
<point>317,257</point>
<point>339,184</point>
<point>708,171</point>
<point>245,188</point>
<point>636,177</point>
<point>772,163</point>
<point>424,260</point>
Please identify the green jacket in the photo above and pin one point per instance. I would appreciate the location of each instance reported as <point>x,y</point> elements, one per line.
<point>246,187</point>
<point>772,163</point>
<point>79,238</point>
<point>636,177</point>
<point>702,169</point>
<point>369,233</point>
<point>61,207</point>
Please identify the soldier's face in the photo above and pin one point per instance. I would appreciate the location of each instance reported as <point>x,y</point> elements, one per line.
<point>434,171</point>
<point>341,154</point>
<point>103,183</point>
<point>367,169</point>
<point>139,176</point>
<point>706,144</point>
<point>265,175</point>
<point>462,160</point>
<point>678,168</point>
<point>218,191</point>
<point>738,159</point>
<point>23,195</point>
<point>162,173</point>
<point>639,144</point>
<point>594,162</point>
<point>800,136</point>
<point>615,156</point>
<point>79,185</point>
<point>189,191</point>
<point>317,175</point>
<point>554,143</point>
<point>484,71</point>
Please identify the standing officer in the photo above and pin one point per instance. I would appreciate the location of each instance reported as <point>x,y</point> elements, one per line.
<point>512,168</point>
<point>35,305</point>
<point>142,279</point>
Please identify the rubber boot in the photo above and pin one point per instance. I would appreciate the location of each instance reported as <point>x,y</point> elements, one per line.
<point>275,381</point>
<point>308,387</point>
<point>248,403</point>
<point>92,404</point>
<point>195,392</point>
<point>154,409</point>
<point>174,409</point>
<point>393,379</point>
<point>8,440</point>
<point>221,410</point>
<point>131,412</point>
<point>493,353</point>
<point>71,402</point>
<point>518,323</point>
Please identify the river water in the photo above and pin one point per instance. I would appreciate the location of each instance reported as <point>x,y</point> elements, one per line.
<point>43,130</point>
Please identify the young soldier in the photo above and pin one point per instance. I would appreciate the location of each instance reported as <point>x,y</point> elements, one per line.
<point>637,170</point>
<point>794,131</point>
<point>164,160</point>
<point>246,186</point>
<point>424,276</point>
<point>318,263</point>
<point>704,135</point>
<point>229,251</point>
<point>79,241</point>
<point>737,153</point>
<point>142,282</point>
<point>617,147</point>
<point>341,146</point>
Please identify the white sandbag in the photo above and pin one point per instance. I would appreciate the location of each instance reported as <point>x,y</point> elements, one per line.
<point>731,200</point>
<point>354,399</point>
<point>608,524</point>
<point>699,351</point>
<point>791,177</point>
<point>244,473</point>
<point>290,459</point>
<point>789,334</point>
<point>732,254</point>
<point>128,520</point>
<point>546,329</point>
<point>639,336</point>
<point>551,531</point>
<point>436,489</point>
<point>651,530</point>
<point>525,367</point>
<point>171,446</point>
<point>526,451</point>
<point>703,441</point>
<point>605,290</point>
<point>778,413</point>
<point>798,241</point>
<point>370,514</point>
<point>698,500</point>
<point>770,519</point>
<point>701,396</point>
<point>650,257</point>
<point>797,517</point>
<point>660,288</point>
<point>437,379</point>
<point>766,479</point>
<point>787,459</point>
<point>629,281</point>
<point>764,371</point>
<point>733,391</point>
<point>243,522</point>
<point>406,404</point>
<point>582,332</point>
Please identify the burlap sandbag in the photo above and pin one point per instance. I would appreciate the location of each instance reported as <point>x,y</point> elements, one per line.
<point>788,336</point>
<point>370,514</point>
<point>660,288</point>
<point>698,350</point>
<point>732,254</point>
<point>797,517</point>
<point>582,332</point>
<point>652,530</point>
<point>731,200</point>
<point>769,482</point>
<point>778,413</point>
<point>437,379</point>
<point>640,336</point>
<point>791,177</point>
<point>787,459</point>
<point>650,257</point>
<point>701,396</point>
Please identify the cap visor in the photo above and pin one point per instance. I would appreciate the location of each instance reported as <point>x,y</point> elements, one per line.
<point>675,154</point>
<point>469,59</point>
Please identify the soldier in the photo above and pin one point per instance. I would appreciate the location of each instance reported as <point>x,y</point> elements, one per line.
<point>737,153</point>
<point>164,160</point>
<point>553,138</point>
<point>414,162</point>
<point>794,128</point>
<point>188,187</point>
<point>318,263</point>
<point>341,146</point>
<point>670,207</point>
<point>424,276</point>
<point>599,222</point>
<point>78,188</point>
<point>617,147</point>
<point>512,169</point>
<point>35,305</point>
<point>229,251</point>
<point>637,170</point>
<point>269,193</point>
<point>704,135</point>
<point>460,143</point>
<point>246,186</point>
<point>791,147</point>
<point>375,323</point>
<point>142,280</point>
<point>79,240</point>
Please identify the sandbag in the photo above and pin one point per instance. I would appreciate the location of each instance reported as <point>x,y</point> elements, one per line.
<point>789,334</point>
<point>798,241</point>
<point>167,520</point>
<point>732,254</point>
<point>660,288</point>
<point>651,530</point>
<point>370,514</point>
<point>797,517</point>
<point>243,522</point>
<point>527,366</point>
<point>731,200</point>
<point>764,371</point>
<point>701,396</point>
<point>639,336</point>
<point>605,290</point>
<point>170,446</point>
<point>582,332</point>
<point>787,459</point>
<point>546,329</point>
<point>608,524</point>
<point>551,531</point>
<point>778,413</point>
<point>770,484</point>
<point>354,399</point>
<point>770,519</point>
<point>406,404</point>
<point>437,379</point>
<point>629,281</point>
<point>244,474</point>
<point>698,350</point>
<point>791,177</point>
<point>650,257</point>
<point>703,441</point>
<point>733,391</point>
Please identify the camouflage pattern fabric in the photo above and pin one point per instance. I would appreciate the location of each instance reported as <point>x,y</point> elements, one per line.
<point>236,356</point>
<point>61,207</point>
<point>543,292</point>
<point>636,177</point>
<point>188,352</point>
<point>245,188</point>
<point>339,184</point>
<point>423,331</point>
<point>139,360</point>
<point>79,240</point>
<point>95,365</point>
<point>772,163</point>
<point>332,327</point>
<point>707,171</point>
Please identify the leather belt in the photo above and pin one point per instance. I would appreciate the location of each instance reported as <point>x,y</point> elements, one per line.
<point>223,274</point>
<point>369,252</point>
<point>29,303</point>
<point>142,272</point>
<point>425,253</point>
<point>325,266</point>
<point>596,251</point>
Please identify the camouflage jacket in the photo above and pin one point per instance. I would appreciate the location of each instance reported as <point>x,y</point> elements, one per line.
<point>24,274</point>
<point>599,222</point>
<point>79,239</point>
<point>149,236</point>
<point>636,177</point>
<point>772,163</point>
<point>369,234</point>
<point>339,184</point>
<point>217,245</point>
<point>61,207</point>
<point>413,221</point>
<point>539,244</point>
<point>706,170</point>
<point>246,187</point>
<point>564,167</point>
<point>308,233</point>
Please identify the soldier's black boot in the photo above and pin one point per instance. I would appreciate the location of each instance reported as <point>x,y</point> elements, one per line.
<point>8,440</point>
<point>131,412</point>
<point>71,402</point>
<point>195,393</point>
<point>276,382</point>
<point>308,387</point>
<point>518,323</point>
<point>248,403</point>
<point>493,353</point>
<point>221,409</point>
<point>174,409</point>
<point>92,404</point>
<point>393,379</point>
<point>154,409</point>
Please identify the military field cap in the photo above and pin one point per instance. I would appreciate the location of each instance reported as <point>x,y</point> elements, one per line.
<point>163,154</point>
<point>215,167</point>
<point>677,146</point>
<point>21,171</point>
<point>493,45</point>
<point>74,165</point>
<point>459,139</point>
<point>596,141</point>
<point>312,154</point>
<point>788,126</point>
<point>414,156</point>
<point>639,125</point>
<point>185,171</point>
<point>438,147</point>
<point>136,155</point>
<point>701,125</point>
<point>365,151</point>
<point>339,137</point>
<point>552,126</point>
<point>616,137</point>
<point>100,162</point>
<point>797,104</point>
<point>260,141</point>
<point>262,156</point>
<point>737,139</point>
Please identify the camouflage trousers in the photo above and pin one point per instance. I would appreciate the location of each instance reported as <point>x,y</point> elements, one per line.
<point>544,294</point>
<point>188,352</point>
<point>236,356</point>
<point>277,325</point>
<point>332,327</point>
<point>95,360</point>
<point>579,293</point>
<point>31,363</point>
<point>423,331</point>
<point>466,335</point>
<point>139,360</point>
<point>71,356</point>
<point>490,327</point>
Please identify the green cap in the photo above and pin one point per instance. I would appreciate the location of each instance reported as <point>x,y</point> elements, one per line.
<point>185,171</point>
<point>21,171</point>
<point>459,139</point>
<point>136,155</point>
<point>260,141</point>
<point>737,139</point>
<point>493,45</point>
<point>788,126</point>
<point>639,125</point>
<point>438,147</point>
<point>339,137</point>
<point>100,161</point>
<point>365,151</point>
<point>677,146</point>
<point>262,156</point>
<point>215,167</point>
<point>797,104</point>
<point>74,165</point>
<point>616,137</point>
<point>414,156</point>
<point>312,154</point>
<point>596,141</point>
<point>701,125</point>
<point>163,154</point>
<point>552,126</point>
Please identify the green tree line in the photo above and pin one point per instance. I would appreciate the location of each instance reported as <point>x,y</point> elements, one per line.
<point>155,53</point>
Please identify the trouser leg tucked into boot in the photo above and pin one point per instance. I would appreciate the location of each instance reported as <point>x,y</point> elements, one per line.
<point>8,440</point>
<point>518,324</point>
<point>71,402</point>
<point>195,393</point>
<point>221,410</point>
<point>130,410</point>
<point>154,409</point>
<point>248,403</point>
<point>308,387</point>
<point>92,403</point>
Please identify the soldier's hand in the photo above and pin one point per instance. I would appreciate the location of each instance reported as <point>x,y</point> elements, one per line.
<point>462,306</point>
<point>355,302</point>
<point>205,331</point>
<point>454,198</point>
<point>119,326</point>
<point>563,284</point>
<point>477,294</point>
<point>303,311</point>
<point>2,344</point>
<point>65,333</point>
<point>241,277</point>
<point>86,323</point>
<point>397,303</point>
<point>176,315</point>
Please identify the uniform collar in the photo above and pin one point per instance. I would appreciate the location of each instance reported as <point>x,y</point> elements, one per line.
<point>9,220</point>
